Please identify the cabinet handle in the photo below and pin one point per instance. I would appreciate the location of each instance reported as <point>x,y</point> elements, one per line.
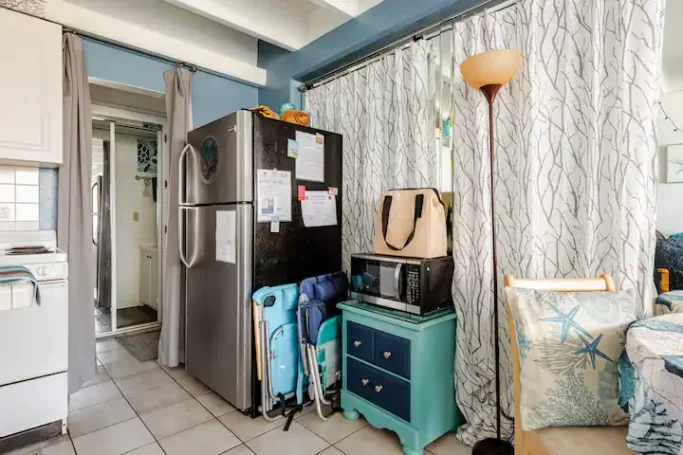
<point>387,354</point>
<point>364,382</point>
<point>357,343</point>
<point>378,388</point>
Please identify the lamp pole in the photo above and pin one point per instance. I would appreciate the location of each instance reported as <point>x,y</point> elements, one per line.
<point>488,72</point>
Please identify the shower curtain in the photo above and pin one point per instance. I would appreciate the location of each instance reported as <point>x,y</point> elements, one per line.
<point>104,233</point>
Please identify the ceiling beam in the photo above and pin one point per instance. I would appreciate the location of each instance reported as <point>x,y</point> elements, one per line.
<point>147,40</point>
<point>349,8</point>
<point>283,23</point>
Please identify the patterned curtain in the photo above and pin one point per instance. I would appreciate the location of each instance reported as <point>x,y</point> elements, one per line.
<point>382,110</point>
<point>576,169</point>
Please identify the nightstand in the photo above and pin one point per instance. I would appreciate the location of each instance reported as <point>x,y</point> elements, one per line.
<point>398,372</point>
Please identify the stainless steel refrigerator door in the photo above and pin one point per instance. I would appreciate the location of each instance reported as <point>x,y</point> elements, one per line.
<point>218,304</point>
<point>216,168</point>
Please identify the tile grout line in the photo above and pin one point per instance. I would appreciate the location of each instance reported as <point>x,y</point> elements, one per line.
<point>137,415</point>
<point>207,409</point>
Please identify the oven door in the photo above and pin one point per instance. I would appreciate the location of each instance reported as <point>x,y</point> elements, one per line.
<point>380,280</point>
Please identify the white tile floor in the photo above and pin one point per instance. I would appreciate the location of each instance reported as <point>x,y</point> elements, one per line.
<point>149,410</point>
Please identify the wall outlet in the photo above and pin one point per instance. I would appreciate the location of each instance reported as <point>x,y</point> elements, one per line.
<point>136,216</point>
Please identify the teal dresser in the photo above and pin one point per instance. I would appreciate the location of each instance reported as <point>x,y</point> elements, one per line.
<point>398,372</point>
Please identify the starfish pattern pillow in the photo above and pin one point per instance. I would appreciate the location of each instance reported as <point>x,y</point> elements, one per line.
<point>569,348</point>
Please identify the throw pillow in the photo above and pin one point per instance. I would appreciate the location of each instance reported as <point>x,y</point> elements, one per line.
<point>569,348</point>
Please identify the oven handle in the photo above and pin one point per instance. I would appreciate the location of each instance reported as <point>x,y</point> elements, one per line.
<point>397,282</point>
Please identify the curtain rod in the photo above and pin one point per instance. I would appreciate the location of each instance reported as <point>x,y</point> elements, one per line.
<point>191,67</point>
<point>177,63</point>
<point>425,33</point>
<point>66,29</point>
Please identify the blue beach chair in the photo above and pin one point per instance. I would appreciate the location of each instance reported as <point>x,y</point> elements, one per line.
<point>320,338</point>
<point>277,346</point>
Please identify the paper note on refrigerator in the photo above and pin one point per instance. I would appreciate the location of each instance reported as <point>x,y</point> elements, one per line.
<point>310,163</point>
<point>274,195</point>
<point>319,209</point>
<point>225,236</point>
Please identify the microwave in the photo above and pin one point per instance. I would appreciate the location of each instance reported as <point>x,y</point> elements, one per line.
<point>413,285</point>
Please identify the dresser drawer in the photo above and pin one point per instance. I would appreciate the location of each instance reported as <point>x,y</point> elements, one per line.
<point>359,341</point>
<point>392,353</point>
<point>379,388</point>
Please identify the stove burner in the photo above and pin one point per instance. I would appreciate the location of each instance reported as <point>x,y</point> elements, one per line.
<point>21,250</point>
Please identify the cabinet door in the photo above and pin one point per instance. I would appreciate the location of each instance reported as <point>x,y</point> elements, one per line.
<point>31,89</point>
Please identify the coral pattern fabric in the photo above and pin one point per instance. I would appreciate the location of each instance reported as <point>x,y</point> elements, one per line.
<point>569,348</point>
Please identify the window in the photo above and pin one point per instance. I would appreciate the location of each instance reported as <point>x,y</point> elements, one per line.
<point>19,196</point>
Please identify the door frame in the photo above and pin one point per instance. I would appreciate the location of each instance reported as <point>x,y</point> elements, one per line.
<point>116,115</point>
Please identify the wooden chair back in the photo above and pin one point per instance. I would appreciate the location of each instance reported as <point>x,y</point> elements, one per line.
<point>604,283</point>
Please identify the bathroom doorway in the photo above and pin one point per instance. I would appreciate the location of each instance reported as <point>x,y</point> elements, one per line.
<point>126,215</point>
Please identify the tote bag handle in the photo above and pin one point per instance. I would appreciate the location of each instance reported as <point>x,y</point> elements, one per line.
<point>386,208</point>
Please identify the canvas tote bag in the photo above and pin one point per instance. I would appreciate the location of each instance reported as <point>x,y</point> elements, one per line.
<point>411,223</point>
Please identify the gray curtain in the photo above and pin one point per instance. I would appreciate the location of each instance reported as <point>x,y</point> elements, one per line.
<point>179,114</point>
<point>74,223</point>
<point>104,232</point>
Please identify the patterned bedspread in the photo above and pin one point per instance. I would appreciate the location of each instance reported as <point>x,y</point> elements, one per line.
<point>651,375</point>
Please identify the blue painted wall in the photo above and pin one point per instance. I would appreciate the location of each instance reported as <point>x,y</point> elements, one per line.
<point>379,26</point>
<point>212,96</point>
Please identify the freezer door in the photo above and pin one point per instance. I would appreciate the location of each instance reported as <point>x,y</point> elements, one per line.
<point>216,168</point>
<point>218,300</point>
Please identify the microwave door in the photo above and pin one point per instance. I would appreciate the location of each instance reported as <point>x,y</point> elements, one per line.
<point>384,284</point>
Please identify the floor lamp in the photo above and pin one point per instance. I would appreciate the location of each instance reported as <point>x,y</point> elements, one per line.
<point>488,72</point>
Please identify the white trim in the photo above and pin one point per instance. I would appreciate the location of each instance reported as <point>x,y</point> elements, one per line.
<point>161,194</point>
<point>141,328</point>
<point>151,41</point>
<point>113,309</point>
<point>125,87</point>
<point>100,112</point>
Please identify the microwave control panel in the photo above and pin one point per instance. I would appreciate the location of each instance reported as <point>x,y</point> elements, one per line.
<point>413,288</point>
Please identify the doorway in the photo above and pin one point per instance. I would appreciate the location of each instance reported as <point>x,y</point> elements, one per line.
<point>126,217</point>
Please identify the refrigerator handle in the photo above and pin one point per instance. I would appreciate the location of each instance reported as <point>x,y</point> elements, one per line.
<point>181,236</point>
<point>182,173</point>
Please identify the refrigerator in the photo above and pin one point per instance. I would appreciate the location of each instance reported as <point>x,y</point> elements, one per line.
<point>228,254</point>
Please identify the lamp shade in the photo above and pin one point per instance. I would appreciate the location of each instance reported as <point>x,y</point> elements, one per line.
<point>491,67</point>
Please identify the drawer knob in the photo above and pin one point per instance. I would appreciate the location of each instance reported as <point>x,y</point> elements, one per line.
<point>357,343</point>
<point>378,388</point>
<point>364,382</point>
<point>387,354</point>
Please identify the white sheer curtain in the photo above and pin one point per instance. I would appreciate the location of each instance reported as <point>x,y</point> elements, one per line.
<point>575,149</point>
<point>576,168</point>
<point>384,113</point>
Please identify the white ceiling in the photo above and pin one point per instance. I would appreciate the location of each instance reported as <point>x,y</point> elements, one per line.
<point>290,24</point>
<point>672,54</point>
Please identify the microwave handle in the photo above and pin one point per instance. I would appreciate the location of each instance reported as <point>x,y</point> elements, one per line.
<point>397,281</point>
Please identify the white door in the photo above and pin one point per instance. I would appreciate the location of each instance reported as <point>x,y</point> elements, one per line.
<point>30,89</point>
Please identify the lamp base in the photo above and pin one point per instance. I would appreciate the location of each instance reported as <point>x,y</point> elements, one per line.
<point>492,446</point>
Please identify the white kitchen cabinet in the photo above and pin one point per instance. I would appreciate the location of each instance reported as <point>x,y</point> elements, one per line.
<point>30,90</point>
<point>149,277</point>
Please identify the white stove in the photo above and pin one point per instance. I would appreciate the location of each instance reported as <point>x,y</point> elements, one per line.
<point>33,334</point>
